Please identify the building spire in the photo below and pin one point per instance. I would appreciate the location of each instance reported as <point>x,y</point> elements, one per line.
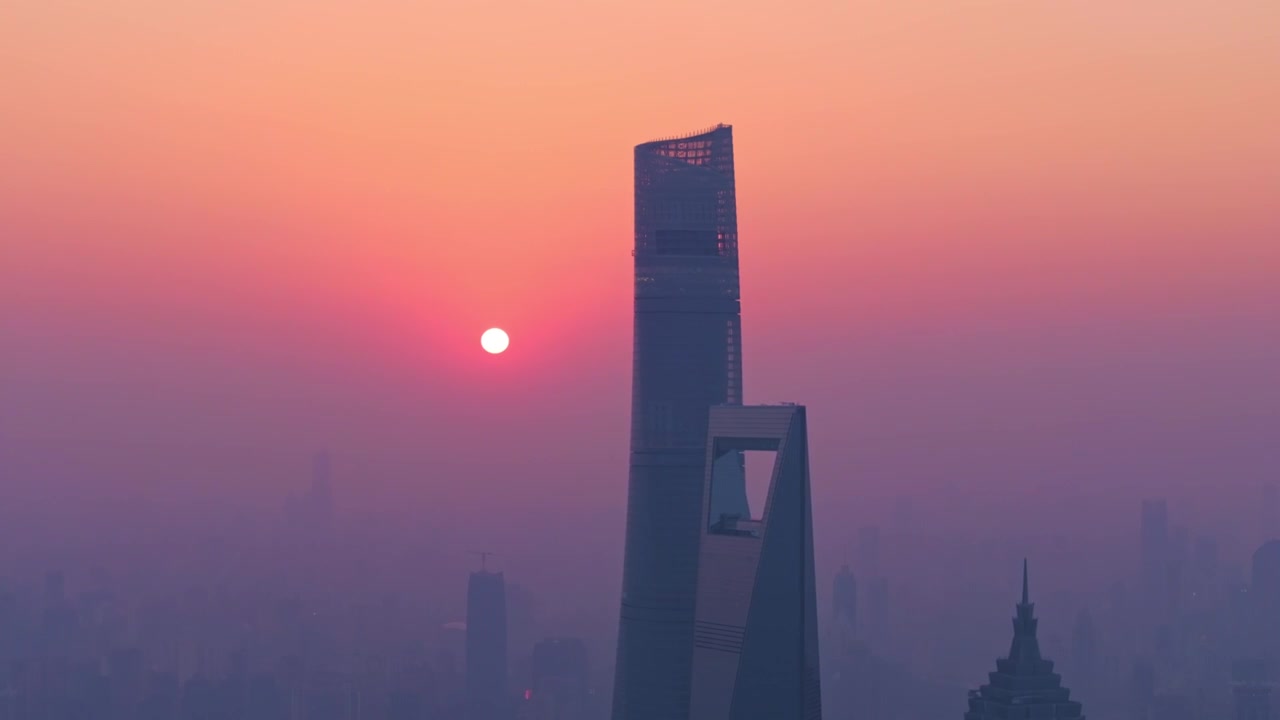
<point>1026,595</point>
<point>1025,648</point>
<point>1024,684</point>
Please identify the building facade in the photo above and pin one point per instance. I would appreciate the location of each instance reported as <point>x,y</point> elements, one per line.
<point>755,653</point>
<point>687,358</point>
<point>486,655</point>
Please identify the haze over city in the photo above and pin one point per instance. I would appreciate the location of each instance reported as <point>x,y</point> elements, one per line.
<point>1019,263</point>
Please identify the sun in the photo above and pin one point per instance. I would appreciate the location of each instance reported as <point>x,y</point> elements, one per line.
<point>494,340</point>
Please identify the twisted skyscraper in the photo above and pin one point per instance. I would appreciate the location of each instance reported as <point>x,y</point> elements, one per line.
<point>687,358</point>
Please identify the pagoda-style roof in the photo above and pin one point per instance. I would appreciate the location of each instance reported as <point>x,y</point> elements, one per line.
<point>1024,685</point>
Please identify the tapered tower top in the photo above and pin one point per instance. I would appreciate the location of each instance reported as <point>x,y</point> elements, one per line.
<point>1025,677</point>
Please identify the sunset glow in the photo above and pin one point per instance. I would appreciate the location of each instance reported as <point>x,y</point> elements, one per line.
<point>971,227</point>
<point>494,341</point>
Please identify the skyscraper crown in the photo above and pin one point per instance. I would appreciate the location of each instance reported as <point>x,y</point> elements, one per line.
<point>1025,677</point>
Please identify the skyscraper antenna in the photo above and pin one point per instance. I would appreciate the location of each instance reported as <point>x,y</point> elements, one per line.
<point>1026,594</point>
<point>484,558</point>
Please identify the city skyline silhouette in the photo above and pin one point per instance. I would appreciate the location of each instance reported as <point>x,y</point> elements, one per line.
<point>1018,266</point>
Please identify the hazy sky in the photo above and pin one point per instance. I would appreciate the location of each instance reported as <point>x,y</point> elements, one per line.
<point>999,248</point>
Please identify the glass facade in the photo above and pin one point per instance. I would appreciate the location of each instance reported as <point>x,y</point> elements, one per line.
<point>687,358</point>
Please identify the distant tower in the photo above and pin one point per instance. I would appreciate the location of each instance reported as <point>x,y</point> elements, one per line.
<point>844,604</point>
<point>1024,684</point>
<point>560,680</point>
<point>755,654</point>
<point>687,358</point>
<point>1251,690</point>
<point>487,647</point>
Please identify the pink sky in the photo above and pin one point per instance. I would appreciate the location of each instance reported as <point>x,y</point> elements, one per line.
<point>991,244</point>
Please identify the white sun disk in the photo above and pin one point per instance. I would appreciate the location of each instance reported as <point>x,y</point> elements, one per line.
<point>494,340</point>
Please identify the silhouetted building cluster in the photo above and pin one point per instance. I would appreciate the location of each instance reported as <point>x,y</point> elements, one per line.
<point>718,617</point>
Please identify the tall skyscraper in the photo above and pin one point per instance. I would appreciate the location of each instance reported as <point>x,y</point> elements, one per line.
<point>687,358</point>
<point>1024,684</point>
<point>486,679</point>
<point>755,653</point>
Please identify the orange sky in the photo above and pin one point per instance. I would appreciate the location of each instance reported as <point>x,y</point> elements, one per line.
<point>212,194</point>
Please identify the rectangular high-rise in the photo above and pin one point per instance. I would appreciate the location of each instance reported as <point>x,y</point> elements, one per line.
<point>687,358</point>
<point>486,681</point>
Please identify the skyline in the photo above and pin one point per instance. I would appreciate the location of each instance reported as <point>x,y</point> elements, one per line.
<point>1029,252</point>
<point>1011,290</point>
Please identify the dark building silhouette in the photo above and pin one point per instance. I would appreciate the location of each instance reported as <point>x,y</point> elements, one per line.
<point>486,680</point>
<point>687,358</point>
<point>1024,684</point>
<point>755,653</point>
<point>560,681</point>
